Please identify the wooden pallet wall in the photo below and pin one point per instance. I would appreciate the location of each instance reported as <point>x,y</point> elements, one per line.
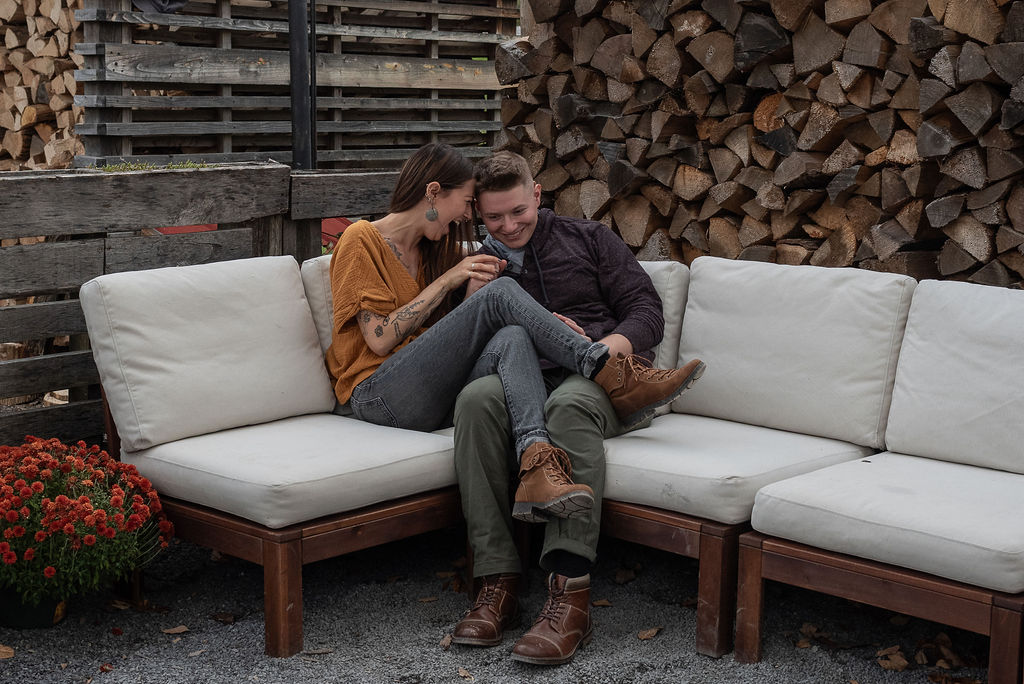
<point>879,134</point>
<point>211,82</point>
<point>94,223</point>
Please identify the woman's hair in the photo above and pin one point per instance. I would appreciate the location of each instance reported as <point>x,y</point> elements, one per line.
<point>502,171</point>
<point>446,165</point>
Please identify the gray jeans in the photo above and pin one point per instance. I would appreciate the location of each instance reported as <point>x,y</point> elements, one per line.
<point>499,330</point>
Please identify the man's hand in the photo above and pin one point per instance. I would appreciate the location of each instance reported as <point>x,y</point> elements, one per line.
<point>617,344</point>
<point>473,284</point>
<point>572,324</point>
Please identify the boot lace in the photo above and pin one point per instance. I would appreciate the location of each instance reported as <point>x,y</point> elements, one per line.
<point>639,367</point>
<point>553,608</point>
<point>556,464</point>
<point>488,595</point>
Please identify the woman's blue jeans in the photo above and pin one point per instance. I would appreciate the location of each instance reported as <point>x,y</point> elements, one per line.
<point>499,330</point>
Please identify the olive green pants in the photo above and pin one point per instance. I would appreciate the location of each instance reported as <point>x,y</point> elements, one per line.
<point>579,418</point>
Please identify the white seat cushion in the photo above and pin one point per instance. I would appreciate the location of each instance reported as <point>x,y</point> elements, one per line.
<point>711,468</point>
<point>947,519</point>
<point>298,469</point>
<point>671,279</point>
<point>801,348</point>
<point>191,350</point>
<point>959,393</point>
<point>316,280</point>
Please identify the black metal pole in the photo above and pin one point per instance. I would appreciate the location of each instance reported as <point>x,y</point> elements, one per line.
<point>300,56</point>
<point>312,82</point>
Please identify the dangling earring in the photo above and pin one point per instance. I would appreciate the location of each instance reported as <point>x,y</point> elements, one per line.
<point>431,213</point>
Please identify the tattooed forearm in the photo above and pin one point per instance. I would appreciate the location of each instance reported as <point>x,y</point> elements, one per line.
<point>401,323</point>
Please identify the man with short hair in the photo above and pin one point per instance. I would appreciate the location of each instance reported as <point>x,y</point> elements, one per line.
<point>585,274</point>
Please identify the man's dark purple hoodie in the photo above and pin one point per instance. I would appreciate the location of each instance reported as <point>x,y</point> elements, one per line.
<point>581,269</point>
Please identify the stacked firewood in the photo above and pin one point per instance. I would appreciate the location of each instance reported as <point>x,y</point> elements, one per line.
<point>884,135</point>
<point>37,90</point>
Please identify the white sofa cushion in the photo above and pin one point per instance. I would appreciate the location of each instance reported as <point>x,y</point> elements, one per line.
<point>956,521</point>
<point>671,279</point>
<point>711,468</point>
<point>190,350</point>
<point>959,393</point>
<point>298,469</point>
<point>801,348</point>
<point>316,280</point>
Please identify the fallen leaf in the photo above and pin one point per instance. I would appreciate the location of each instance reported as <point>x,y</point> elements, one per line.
<point>120,605</point>
<point>602,603</point>
<point>888,651</point>
<point>624,575</point>
<point>175,640</point>
<point>646,634</point>
<point>116,631</point>
<point>894,661</point>
<point>180,629</point>
<point>225,618</point>
<point>803,643</point>
<point>6,652</point>
<point>428,599</point>
<point>942,664</point>
<point>107,667</point>
<point>464,673</point>
<point>921,658</point>
<point>446,641</point>
<point>193,654</point>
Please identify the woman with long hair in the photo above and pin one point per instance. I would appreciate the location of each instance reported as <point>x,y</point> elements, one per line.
<point>403,349</point>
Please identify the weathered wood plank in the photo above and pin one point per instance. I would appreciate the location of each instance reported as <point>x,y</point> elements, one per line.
<point>139,253</point>
<point>42,320</point>
<point>194,65</point>
<point>70,422</point>
<point>281,27</point>
<point>427,7</point>
<point>318,194</point>
<point>54,203</point>
<point>49,266</point>
<point>281,102</point>
<point>177,128</point>
<point>39,374</point>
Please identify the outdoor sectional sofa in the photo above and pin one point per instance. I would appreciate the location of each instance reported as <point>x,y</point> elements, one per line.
<point>215,381</point>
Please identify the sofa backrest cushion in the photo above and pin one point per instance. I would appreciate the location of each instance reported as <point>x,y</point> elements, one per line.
<point>191,350</point>
<point>959,393</point>
<point>802,348</point>
<point>316,279</point>
<point>671,279</point>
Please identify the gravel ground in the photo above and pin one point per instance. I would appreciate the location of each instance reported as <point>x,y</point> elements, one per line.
<point>381,615</point>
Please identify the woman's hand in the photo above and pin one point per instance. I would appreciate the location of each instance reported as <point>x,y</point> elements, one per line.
<point>477,269</point>
<point>572,324</point>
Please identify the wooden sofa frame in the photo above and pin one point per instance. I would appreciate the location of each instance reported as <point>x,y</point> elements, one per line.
<point>715,545</point>
<point>282,552</point>
<point>994,614</point>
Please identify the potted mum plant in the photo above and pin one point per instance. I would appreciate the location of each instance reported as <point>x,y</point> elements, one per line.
<point>72,519</point>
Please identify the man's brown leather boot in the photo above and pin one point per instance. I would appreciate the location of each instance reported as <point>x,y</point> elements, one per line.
<point>563,625</point>
<point>636,389</point>
<point>545,488</point>
<point>496,608</point>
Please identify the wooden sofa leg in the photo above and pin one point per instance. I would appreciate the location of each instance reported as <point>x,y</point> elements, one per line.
<point>750,601</point>
<point>282,597</point>
<point>1004,654</point>
<point>716,591</point>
